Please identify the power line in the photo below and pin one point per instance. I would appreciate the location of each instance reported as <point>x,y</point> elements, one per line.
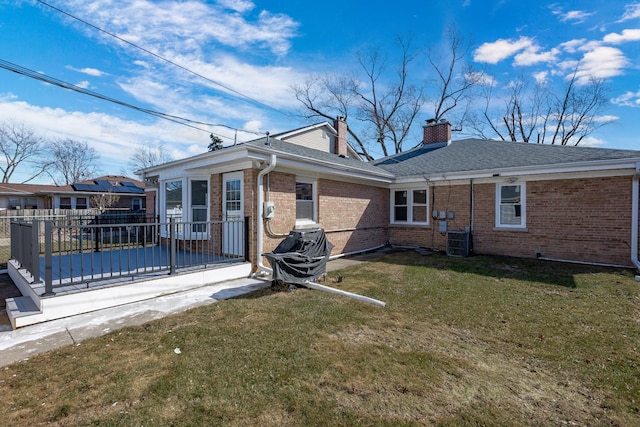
<point>162,58</point>
<point>65,85</point>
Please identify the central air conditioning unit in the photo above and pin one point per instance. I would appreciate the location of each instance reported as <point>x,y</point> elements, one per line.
<point>458,243</point>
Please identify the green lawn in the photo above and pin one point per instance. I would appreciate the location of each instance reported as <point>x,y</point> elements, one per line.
<point>462,341</point>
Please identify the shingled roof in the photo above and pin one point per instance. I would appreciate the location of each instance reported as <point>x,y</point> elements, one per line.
<point>278,146</point>
<point>470,155</point>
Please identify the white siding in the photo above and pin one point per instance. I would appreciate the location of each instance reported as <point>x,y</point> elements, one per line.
<point>318,139</point>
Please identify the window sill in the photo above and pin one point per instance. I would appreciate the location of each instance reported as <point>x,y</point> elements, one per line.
<point>520,229</point>
<point>306,224</point>
<point>410,224</point>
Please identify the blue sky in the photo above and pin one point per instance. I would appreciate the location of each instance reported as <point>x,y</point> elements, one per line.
<point>255,50</point>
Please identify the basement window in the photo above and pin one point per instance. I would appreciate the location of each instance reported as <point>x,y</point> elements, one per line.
<point>409,206</point>
<point>511,205</point>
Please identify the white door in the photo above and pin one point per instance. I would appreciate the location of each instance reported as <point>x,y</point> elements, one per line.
<point>232,214</point>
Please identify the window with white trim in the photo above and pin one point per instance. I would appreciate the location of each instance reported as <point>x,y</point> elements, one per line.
<point>511,205</point>
<point>199,202</point>
<point>173,200</point>
<point>410,206</point>
<point>306,200</point>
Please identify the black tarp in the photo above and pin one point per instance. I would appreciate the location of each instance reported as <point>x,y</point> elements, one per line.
<point>301,256</point>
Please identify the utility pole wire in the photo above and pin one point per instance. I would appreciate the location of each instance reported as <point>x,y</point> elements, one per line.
<point>60,83</point>
<point>163,58</point>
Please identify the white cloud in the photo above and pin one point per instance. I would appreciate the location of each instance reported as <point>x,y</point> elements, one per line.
<point>197,36</point>
<point>186,26</point>
<point>142,64</point>
<point>628,35</point>
<point>592,141</point>
<point>632,11</point>
<point>237,5</point>
<point>482,78</point>
<point>541,77</point>
<point>89,71</point>
<point>532,55</point>
<point>573,46</point>
<point>576,16</point>
<point>494,52</point>
<point>83,84</point>
<point>602,62</point>
<point>628,99</point>
<point>253,126</point>
<point>113,138</point>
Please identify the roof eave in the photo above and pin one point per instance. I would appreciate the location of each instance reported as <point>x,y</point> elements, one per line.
<point>323,165</point>
<point>574,167</point>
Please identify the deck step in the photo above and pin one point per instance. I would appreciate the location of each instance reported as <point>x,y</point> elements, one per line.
<point>20,307</point>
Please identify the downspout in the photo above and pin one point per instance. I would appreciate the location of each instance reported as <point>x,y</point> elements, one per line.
<point>259,215</point>
<point>634,217</point>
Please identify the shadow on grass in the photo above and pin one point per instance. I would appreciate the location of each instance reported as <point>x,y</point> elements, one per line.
<point>500,267</point>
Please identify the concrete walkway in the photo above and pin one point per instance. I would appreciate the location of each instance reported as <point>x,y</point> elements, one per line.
<point>20,344</point>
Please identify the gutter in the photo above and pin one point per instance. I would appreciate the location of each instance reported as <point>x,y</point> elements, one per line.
<point>259,213</point>
<point>634,216</point>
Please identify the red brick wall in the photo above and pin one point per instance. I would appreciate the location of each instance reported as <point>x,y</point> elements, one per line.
<point>283,194</point>
<point>150,201</point>
<point>354,216</point>
<point>215,198</point>
<point>573,219</point>
<point>447,198</point>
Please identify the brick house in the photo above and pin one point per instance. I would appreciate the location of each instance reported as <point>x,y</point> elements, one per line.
<point>77,196</point>
<point>478,196</point>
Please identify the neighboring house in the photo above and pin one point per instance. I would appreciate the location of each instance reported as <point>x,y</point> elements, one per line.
<point>503,198</point>
<point>130,194</point>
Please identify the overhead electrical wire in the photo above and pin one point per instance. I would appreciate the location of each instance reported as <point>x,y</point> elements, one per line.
<point>60,83</point>
<point>160,57</point>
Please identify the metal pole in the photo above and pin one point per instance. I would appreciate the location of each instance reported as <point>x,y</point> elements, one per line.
<point>48,264</point>
<point>35,251</point>
<point>246,238</point>
<point>172,246</point>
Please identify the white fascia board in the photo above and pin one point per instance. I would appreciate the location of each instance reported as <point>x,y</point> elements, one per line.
<point>198,159</point>
<point>197,164</point>
<point>582,169</point>
<point>283,136</point>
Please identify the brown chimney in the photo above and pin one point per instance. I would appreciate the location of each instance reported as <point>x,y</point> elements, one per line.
<point>341,139</point>
<point>436,132</point>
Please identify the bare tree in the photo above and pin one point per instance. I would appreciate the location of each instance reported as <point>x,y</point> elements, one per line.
<point>104,201</point>
<point>455,79</point>
<point>543,116</point>
<point>387,105</point>
<point>388,108</point>
<point>147,155</point>
<point>19,145</point>
<point>329,97</point>
<point>383,98</point>
<point>71,161</point>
